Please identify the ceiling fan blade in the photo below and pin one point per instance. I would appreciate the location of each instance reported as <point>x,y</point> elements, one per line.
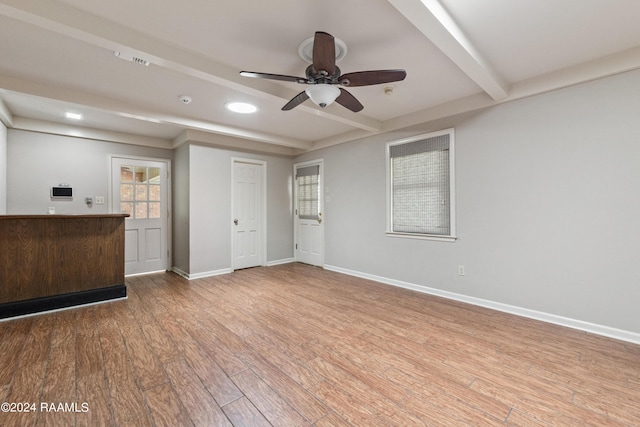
<point>366,78</point>
<point>349,101</point>
<point>324,53</point>
<point>280,77</point>
<point>295,101</point>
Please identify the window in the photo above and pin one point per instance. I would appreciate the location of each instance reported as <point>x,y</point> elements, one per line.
<point>308,194</point>
<point>421,187</point>
<point>140,191</point>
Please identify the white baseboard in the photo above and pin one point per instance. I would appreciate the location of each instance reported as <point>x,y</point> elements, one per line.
<point>606,331</point>
<point>179,272</point>
<point>201,275</point>
<point>224,270</point>
<point>280,261</point>
<point>145,273</point>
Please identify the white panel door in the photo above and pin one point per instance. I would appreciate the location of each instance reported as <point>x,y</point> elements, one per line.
<point>139,188</point>
<point>247,214</point>
<point>309,220</point>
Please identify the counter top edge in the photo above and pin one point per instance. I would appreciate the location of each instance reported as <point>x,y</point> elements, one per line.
<point>62,216</point>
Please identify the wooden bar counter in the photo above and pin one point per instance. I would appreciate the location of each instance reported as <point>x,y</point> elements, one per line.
<point>50,262</point>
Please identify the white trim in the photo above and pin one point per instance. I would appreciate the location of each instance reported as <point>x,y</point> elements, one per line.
<point>263,207</point>
<point>201,275</point>
<point>55,310</point>
<point>619,334</point>
<point>422,236</point>
<point>452,187</point>
<point>180,272</point>
<point>280,262</point>
<point>224,270</point>
<point>145,273</point>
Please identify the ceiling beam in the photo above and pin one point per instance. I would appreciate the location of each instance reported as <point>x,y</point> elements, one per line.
<point>229,142</point>
<point>438,26</point>
<point>43,126</point>
<point>616,63</point>
<point>66,20</point>
<point>609,65</point>
<point>5,115</point>
<point>341,138</point>
<point>128,110</point>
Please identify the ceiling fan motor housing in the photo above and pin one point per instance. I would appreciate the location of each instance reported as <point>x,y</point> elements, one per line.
<point>320,77</point>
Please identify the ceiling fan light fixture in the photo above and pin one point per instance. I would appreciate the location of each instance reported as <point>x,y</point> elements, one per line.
<point>241,107</point>
<point>323,51</point>
<point>323,94</point>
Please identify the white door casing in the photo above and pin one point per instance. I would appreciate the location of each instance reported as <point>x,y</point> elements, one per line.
<point>309,212</point>
<point>248,213</point>
<point>140,187</point>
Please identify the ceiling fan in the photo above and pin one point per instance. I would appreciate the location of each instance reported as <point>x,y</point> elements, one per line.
<point>324,76</point>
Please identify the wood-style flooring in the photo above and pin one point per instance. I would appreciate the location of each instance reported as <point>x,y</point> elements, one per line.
<point>295,345</point>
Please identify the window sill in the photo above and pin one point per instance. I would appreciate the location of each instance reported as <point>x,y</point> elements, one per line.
<point>422,236</point>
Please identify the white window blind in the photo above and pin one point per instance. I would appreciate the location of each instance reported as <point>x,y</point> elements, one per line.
<point>308,198</point>
<point>421,186</point>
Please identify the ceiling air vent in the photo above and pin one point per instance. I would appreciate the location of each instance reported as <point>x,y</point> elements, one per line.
<point>132,58</point>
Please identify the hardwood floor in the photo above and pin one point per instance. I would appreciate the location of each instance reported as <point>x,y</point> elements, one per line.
<point>294,345</point>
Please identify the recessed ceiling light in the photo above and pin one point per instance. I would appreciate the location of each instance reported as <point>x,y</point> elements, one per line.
<point>241,107</point>
<point>73,116</point>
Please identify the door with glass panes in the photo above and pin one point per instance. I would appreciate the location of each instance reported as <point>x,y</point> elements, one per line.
<point>140,190</point>
<point>309,225</point>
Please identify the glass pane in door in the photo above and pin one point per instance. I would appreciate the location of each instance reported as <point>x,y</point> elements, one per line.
<point>308,197</point>
<point>140,191</point>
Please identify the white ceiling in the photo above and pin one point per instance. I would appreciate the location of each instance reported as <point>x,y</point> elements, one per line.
<point>460,55</point>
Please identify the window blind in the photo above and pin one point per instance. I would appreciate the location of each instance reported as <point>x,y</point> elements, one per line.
<point>308,179</point>
<point>421,187</point>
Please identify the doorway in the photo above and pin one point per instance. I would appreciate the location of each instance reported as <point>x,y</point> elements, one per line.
<point>248,213</point>
<point>308,213</point>
<point>140,188</point>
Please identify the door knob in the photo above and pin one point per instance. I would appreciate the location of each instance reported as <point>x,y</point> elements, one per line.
<point>235,221</point>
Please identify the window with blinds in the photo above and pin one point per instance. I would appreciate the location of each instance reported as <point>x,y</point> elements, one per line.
<point>421,185</point>
<point>307,179</point>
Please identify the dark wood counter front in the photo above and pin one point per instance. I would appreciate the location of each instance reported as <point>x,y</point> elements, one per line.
<point>55,261</point>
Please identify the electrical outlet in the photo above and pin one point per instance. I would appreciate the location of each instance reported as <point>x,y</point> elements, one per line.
<point>99,200</point>
<point>461,271</point>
